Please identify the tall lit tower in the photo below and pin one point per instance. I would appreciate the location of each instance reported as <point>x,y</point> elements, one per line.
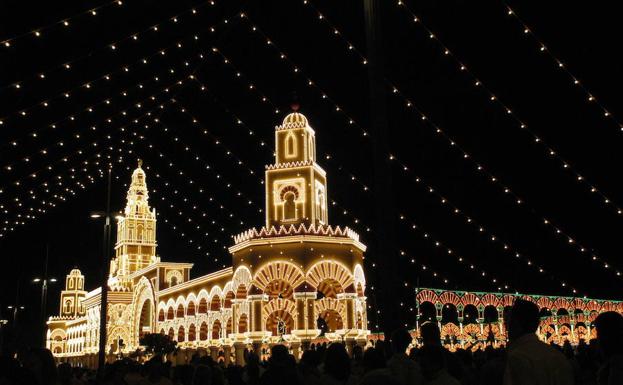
<point>296,186</point>
<point>136,230</point>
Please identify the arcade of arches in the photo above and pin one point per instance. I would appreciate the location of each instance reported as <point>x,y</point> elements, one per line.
<point>472,320</point>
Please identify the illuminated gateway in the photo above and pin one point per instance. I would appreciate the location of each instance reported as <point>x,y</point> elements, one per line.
<point>284,276</point>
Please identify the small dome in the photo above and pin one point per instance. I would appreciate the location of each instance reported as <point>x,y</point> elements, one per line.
<point>295,118</point>
<point>75,272</point>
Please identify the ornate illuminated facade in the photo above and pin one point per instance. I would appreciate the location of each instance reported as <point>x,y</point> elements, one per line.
<point>288,277</point>
<point>474,319</point>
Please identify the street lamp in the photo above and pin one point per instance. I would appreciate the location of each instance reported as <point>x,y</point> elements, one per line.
<point>44,291</point>
<point>106,243</point>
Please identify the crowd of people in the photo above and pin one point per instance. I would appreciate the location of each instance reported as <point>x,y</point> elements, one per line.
<point>526,361</point>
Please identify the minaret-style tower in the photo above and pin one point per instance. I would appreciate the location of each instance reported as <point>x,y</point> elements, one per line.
<point>71,298</point>
<point>296,186</point>
<point>136,230</point>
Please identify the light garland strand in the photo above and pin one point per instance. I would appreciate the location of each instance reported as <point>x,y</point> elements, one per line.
<point>556,230</point>
<point>138,105</point>
<point>90,84</point>
<point>548,150</point>
<point>559,64</point>
<point>353,123</point>
<point>266,100</point>
<point>110,47</point>
<point>57,195</point>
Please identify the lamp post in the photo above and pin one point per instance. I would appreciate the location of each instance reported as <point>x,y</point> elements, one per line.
<point>101,359</point>
<point>44,291</point>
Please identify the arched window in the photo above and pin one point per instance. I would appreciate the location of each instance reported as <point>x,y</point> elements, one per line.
<point>68,306</point>
<point>289,206</point>
<point>290,145</point>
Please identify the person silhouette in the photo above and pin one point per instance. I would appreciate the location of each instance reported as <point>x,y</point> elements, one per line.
<point>531,361</point>
<point>609,327</point>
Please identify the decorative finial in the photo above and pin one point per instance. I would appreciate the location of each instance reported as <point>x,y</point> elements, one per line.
<point>295,105</point>
<point>140,162</point>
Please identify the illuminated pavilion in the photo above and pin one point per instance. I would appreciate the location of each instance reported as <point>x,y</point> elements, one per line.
<point>288,277</point>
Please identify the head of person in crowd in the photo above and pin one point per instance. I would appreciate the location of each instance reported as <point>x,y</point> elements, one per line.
<point>431,335</point>
<point>279,356</point>
<point>609,327</point>
<point>311,359</point>
<point>40,362</point>
<point>357,353</point>
<point>337,362</point>
<point>432,360</point>
<point>373,359</point>
<point>522,319</point>
<point>400,341</point>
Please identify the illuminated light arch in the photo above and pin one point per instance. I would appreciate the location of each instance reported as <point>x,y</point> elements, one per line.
<point>470,299</point>
<point>331,310</point>
<point>190,308</point>
<point>203,331</point>
<point>450,329</point>
<point>333,270</point>
<point>243,322</point>
<point>141,316</point>
<point>161,315</point>
<point>116,333</point>
<point>228,300</point>
<point>170,313</point>
<point>180,312</point>
<point>278,304</point>
<point>216,330</point>
<point>241,292</point>
<point>278,271</point>
<point>448,297</point>
<point>279,289</point>
<point>202,307</point>
<point>507,300</point>
<point>592,306</point>
<point>427,296</point>
<point>290,145</point>
<point>229,327</point>
<point>561,303</point>
<point>215,303</point>
<point>544,303</point>
<point>472,331</point>
<point>174,277</point>
<point>192,333</point>
<point>181,334</point>
<point>489,299</point>
<point>171,334</point>
<point>190,298</point>
<point>288,189</point>
<point>215,291</point>
<point>359,276</point>
<point>242,276</point>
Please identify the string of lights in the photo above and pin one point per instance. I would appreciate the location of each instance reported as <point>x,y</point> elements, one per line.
<point>111,47</point>
<point>265,100</point>
<point>560,65</point>
<point>90,85</point>
<point>547,149</point>
<point>481,229</point>
<point>80,137</point>
<point>65,22</point>
<point>55,191</point>
<point>554,228</point>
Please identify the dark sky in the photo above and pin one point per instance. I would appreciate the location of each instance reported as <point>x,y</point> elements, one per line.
<point>201,187</point>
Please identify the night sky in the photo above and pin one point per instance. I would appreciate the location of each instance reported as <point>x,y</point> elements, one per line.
<point>205,142</point>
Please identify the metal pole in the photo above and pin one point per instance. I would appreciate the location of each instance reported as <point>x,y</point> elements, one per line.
<point>44,294</point>
<point>104,283</point>
<point>387,285</point>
